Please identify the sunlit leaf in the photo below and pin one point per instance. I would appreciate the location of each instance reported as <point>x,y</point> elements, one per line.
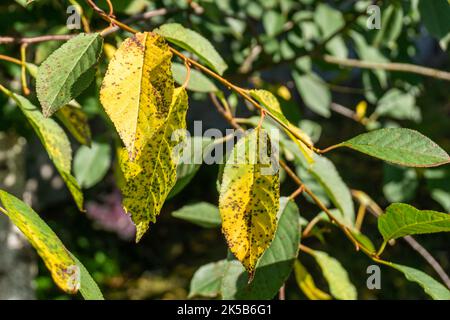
<point>66,270</point>
<point>137,89</point>
<point>68,71</point>
<point>402,219</point>
<point>402,146</point>
<point>149,179</point>
<point>306,283</point>
<point>207,280</point>
<point>76,121</point>
<point>194,42</point>
<point>249,198</point>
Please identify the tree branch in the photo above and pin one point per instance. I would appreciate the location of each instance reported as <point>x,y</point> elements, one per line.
<point>390,66</point>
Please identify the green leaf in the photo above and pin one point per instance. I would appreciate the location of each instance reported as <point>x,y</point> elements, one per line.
<point>399,105</point>
<point>433,288</point>
<point>193,42</point>
<point>336,276</point>
<point>392,22</point>
<point>399,183</point>
<point>88,288</point>
<point>197,81</point>
<point>203,214</point>
<point>68,71</point>
<point>91,164</point>
<point>249,198</point>
<point>434,15</point>
<point>149,179</point>
<point>402,146</point>
<point>76,121</point>
<point>55,143</point>
<point>273,22</point>
<point>207,279</point>
<point>402,219</point>
<point>438,183</point>
<point>67,272</point>
<point>314,92</point>
<point>325,173</point>
<point>274,266</point>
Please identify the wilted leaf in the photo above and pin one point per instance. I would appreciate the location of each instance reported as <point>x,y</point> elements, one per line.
<point>275,265</point>
<point>137,89</point>
<point>149,179</point>
<point>91,164</point>
<point>76,121</point>
<point>306,283</point>
<point>249,198</point>
<point>203,214</point>
<point>67,272</point>
<point>207,279</point>
<point>193,42</point>
<point>68,71</point>
<point>336,276</point>
<point>402,146</point>
<point>402,219</point>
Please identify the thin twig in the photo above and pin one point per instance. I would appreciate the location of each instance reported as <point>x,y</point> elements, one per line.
<point>23,73</point>
<point>390,66</point>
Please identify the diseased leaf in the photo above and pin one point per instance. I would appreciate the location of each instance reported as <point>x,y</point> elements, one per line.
<point>336,276</point>
<point>270,103</point>
<point>91,164</point>
<point>402,219</point>
<point>249,198</point>
<point>432,287</point>
<point>67,272</point>
<point>55,143</point>
<point>306,283</point>
<point>203,214</point>
<point>402,146</point>
<point>197,81</point>
<point>275,265</point>
<point>149,179</point>
<point>76,121</point>
<point>68,71</point>
<point>137,89</point>
<point>207,279</point>
<point>193,42</point>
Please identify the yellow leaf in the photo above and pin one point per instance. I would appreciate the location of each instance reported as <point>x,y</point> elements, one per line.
<point>64,269</point>
<point>149,179</point>
<point>270,103</point>
<point>361,109</point>
<point>109,50</point>
<point>306,283</point>
<point>284,92</point>
<point>137,89</point>
<point>249,198</point>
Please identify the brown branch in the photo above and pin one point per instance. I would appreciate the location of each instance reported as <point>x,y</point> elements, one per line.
<point>390,66</point>
<point>55,37</point>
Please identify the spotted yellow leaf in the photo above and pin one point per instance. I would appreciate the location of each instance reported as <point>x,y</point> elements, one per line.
<point>249,198</point>
<point>137,89</point>
<point>271,104</point>
<point>57,258</point>
<point>55,141</point>
<point>149,179</point>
